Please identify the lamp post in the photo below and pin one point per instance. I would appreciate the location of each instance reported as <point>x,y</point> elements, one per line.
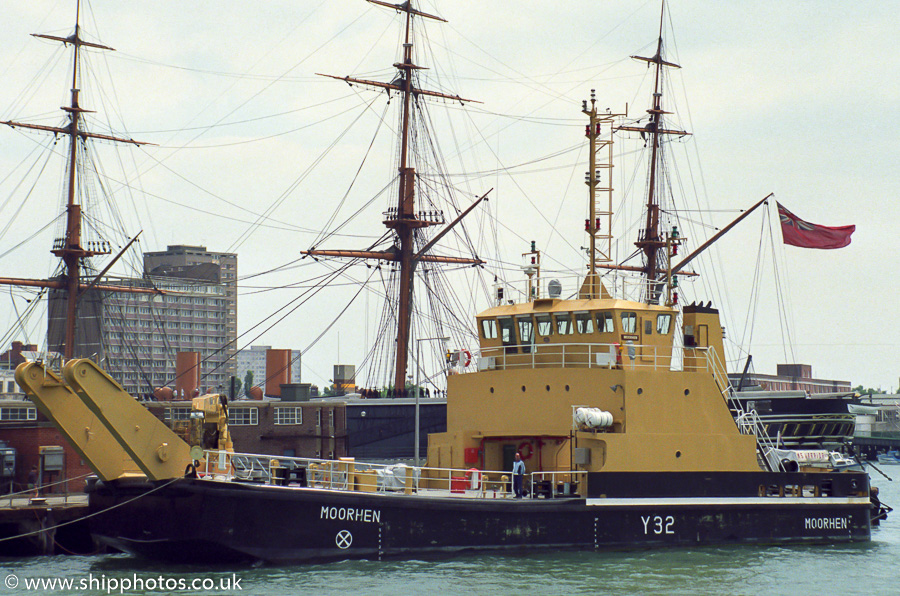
<point>419,341</point>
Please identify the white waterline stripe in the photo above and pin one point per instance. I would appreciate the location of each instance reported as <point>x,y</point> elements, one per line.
<point>769,501</point>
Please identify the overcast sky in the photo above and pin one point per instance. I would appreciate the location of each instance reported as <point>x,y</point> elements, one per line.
<point>797,99</point>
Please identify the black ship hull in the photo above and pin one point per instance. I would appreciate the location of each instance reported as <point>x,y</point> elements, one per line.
<point>206,521</point>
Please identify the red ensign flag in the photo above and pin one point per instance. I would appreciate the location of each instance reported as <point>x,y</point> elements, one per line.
<point>797,232</point>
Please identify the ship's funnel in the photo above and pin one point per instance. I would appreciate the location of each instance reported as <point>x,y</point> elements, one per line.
<point>278,371</point>
<point>187,374</point>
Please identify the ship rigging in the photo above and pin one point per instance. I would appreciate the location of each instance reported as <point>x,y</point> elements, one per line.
<point>410,247</point>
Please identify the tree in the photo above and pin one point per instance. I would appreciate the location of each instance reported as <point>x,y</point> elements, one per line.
<point>867,391</point>
<point>248,382</point>
<point>237,387</point>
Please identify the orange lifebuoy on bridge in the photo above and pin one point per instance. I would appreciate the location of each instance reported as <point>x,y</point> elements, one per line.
<point>526,450</point>
<point>468,358</point>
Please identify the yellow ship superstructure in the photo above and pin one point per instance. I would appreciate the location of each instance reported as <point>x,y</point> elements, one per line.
<point>541,361</point>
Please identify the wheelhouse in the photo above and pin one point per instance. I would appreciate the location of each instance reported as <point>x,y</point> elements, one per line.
<point>554,332</point>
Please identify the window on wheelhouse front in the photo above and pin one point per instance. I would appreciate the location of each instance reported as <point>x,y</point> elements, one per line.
<point>564,324</point>
<point>526,332</point>
<point>508,334</point>
<point>544,325</point>
<point>605,322</point>
<point>584,323</point>
<point>629,322</point>
<point>663,323</point>
<point>489,328</point>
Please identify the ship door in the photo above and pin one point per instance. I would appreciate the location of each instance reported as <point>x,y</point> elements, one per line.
<point>702,337</point>
<point>509,456</point>
<point>648,347</point>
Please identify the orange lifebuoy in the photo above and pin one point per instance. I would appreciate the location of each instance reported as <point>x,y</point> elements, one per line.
<point>526,454</point>
<point>468,358</point>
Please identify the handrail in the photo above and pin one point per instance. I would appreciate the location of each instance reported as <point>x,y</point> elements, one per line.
<point>749,423</point>
<point>628,356</point>
<point>350,475</point>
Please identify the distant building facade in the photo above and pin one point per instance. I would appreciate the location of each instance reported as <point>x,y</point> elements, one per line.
<point>253,359</point>
<point>16,355</point>
<point>135,336</point>
<point>195,262</point>
<point>24,429</point>
<point>281,428</point>
<point>142,334</point>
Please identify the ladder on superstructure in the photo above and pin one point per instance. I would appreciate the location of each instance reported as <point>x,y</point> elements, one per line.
<point>748,422</point>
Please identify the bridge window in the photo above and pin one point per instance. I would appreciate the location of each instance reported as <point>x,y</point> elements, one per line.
<point>629,322</point>
<point>508,334</point>
<point>605,322</point>
<point>526,332</point>
<point>489,328</point>
<point>663,323</point>
<point>544,325</point>
<point>584,323</point>
<point>564,324</point>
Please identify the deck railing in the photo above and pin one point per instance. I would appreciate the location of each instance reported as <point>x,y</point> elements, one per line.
<point>576,355</point>
<point>346,474</point>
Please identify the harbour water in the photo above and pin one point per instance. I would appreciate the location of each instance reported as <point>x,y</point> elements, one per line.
<point>868,568</point>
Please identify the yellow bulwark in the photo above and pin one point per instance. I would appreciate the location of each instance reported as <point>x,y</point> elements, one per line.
<point>83,429</point>
<point>158,452</point>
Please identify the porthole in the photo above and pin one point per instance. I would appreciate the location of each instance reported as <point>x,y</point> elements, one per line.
<point>687,391</point>
<point>523,388</point>
<point>492,389</point>
<point>567,387</point>
<point>640,390</point>
<point>548,387</point>
<point>677,454</point>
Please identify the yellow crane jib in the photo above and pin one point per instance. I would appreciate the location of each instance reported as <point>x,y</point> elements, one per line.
<point>157,451</point>
<point>81,427</point>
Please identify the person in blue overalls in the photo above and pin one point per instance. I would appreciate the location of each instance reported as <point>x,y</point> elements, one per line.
<point>518,474</point>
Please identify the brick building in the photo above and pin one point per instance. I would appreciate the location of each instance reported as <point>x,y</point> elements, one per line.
<point>283,428</point>
<point>26,430</point>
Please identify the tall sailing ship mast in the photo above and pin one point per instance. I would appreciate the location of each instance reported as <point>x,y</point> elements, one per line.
<point>404,220</point>
<point>70,248</point>
<point>652,243</point>
<point>656,246</point>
